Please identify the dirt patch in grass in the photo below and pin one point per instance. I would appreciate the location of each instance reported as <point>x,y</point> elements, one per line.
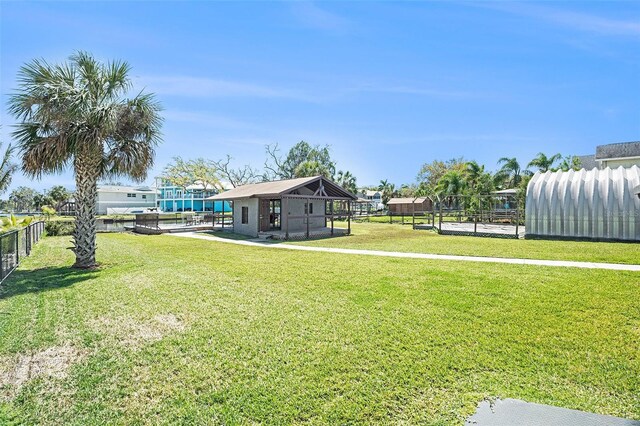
<point>53,362</point>
<point>133,333</point>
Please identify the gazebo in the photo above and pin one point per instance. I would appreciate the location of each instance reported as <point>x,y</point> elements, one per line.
<point>289,209</point>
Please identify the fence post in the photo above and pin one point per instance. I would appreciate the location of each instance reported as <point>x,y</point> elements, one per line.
<point>17,248</point>
<point>413,215</point>
<point>1,260</point>
<point>517,217</point>
<point>331,204</point>
<point>27,240</point>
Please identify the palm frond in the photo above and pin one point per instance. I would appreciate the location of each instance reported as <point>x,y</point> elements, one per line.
<point>7,168</point>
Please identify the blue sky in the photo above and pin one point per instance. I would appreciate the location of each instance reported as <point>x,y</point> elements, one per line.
<point>389,85</point>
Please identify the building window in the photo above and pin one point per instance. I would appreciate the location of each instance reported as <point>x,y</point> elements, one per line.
<point>178,194</point>
<point>131,195</point>
<point>144,196</point>
<point>245,215</point>
<point>309,208</point>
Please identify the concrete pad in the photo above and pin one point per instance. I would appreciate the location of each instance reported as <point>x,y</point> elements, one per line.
<point>513,412</point>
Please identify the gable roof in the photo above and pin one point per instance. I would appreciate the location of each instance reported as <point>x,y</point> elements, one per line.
<point>283,187</point>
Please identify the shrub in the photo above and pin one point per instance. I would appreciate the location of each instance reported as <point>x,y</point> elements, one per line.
<point>56,228</point>
<point>12,222</point>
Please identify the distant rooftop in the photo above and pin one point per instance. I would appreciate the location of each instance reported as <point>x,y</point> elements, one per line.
<point>618,150</point>
<point>407,200</point>
<point>117,188</point>
<point>588,161</point>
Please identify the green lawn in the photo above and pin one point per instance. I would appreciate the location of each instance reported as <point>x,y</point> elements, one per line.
<point>183,331</point>
<point>377,236</point>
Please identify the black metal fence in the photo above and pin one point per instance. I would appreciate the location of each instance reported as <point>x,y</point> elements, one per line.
<point>496,215</point>
<point>16,245</point>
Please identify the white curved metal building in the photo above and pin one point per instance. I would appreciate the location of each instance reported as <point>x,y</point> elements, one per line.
<point>596,204</point>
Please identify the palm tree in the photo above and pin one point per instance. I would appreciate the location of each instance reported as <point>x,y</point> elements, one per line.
<point>388,191</point>
<point>75,114</point>
<point>451,185</point>
<point>347,181</point>
<point>544,163</point>
<point>510,173</point>
<point>474,173</point>
<point>570,162</point>
<point>7,168</point>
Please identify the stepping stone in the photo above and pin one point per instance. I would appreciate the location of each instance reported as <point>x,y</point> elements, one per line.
<point>513,412</point>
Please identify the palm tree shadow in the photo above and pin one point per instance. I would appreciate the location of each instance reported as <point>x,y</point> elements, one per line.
<point>43,279</point>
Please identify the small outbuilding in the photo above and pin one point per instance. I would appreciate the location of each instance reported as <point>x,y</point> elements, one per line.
<point>407,206</point>
<point>292,208</point>
<point>592,204</point>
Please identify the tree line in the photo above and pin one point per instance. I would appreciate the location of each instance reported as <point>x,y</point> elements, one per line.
<point>458,176</point>
<point>301,160</point>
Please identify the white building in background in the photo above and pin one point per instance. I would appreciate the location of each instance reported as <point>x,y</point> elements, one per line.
<point>125,199</point>
<point>614,155</point>
<point>593,204</point>
<point>373,199</point>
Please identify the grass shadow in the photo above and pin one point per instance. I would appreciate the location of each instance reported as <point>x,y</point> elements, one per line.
<point>43,279</point>
<point>227,235</point>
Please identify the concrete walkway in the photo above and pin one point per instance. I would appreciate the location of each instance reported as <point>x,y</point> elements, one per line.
<point>536,262</point>
<point>513,412</point>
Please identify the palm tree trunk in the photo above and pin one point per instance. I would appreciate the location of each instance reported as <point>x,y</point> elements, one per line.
<point>86,164</point>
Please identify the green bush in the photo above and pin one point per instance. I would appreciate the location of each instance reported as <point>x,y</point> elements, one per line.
<point>56,228</point>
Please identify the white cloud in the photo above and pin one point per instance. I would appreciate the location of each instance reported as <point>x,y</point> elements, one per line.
<point>205,119</point>
<point>312,16</point>
<point>570,19</point>
<point>204,87</point>
<point>421,91</point>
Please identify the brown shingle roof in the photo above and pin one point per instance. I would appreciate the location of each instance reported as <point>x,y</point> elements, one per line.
<point>276,188</point>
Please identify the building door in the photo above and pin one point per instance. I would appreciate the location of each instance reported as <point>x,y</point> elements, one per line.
<point>269,215</point>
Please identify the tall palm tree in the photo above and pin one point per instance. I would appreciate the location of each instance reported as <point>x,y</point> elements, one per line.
<point>76,114</point>
<point>510,173</point>
<point>544,163</point>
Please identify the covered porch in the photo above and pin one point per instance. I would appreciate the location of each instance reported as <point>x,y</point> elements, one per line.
<point>296,217</point>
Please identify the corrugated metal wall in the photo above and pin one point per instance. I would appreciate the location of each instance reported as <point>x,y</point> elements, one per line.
<point>599,204</point>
